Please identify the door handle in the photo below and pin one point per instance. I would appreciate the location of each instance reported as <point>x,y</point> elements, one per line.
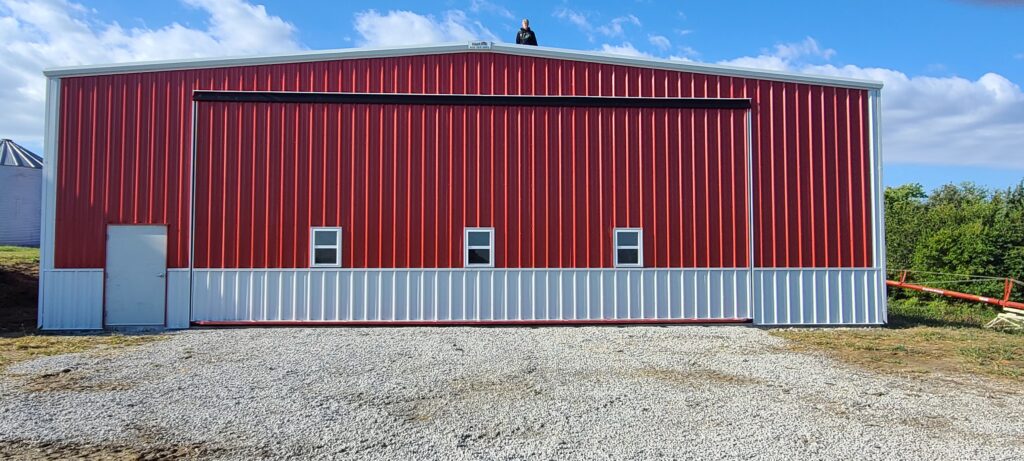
<point>161,275</point>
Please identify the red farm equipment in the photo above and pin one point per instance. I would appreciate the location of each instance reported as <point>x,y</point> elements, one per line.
<point>1012,315</point>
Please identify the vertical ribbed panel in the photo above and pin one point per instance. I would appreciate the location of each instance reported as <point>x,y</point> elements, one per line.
<point>74,300</point>
<point>124,149</point>
<point>178,298</point>
<point>429,295</point>
<point>404,181</point>
<point>817,297</point>
<point>812,176</point>
<point>20,201</point>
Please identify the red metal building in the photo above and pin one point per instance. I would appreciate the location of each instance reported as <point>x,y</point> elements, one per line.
<point>450,184</point>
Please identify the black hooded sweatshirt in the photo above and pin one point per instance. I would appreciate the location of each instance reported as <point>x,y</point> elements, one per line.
<point>526,37</point>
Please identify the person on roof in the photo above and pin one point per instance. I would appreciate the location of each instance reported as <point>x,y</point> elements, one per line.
<point>526,35</point>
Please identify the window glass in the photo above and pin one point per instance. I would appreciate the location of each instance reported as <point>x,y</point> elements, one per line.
<point>627,239</point>
<point>324,237</point>
<point>479,256</point>
<point>629,256</point>
<point>479,239</point>
<point>325,256</point>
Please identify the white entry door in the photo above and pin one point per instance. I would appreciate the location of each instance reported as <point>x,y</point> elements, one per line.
<point>136,275</point>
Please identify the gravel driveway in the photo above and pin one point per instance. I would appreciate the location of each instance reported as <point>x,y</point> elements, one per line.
<point>472,393</point>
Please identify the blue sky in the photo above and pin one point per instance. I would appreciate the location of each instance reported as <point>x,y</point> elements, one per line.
<point>953,106</point>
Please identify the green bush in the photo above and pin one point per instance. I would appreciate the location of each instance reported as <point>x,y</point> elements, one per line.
<point>957,229</point>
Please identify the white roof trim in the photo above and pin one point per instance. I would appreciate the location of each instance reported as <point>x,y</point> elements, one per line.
<point>446,48</point>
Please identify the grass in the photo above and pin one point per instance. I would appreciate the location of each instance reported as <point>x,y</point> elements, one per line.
<point>14,256</point>
<point>19,287</point>
<point>924,337</point>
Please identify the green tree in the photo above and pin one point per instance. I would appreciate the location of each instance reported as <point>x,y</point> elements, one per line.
<point>957,229</point>
<point>904,206</point>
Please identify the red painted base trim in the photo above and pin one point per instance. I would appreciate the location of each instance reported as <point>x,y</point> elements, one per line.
<point>458,323</point>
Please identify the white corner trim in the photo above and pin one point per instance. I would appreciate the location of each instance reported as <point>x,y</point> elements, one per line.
<point>49,190</point>
<point>878,191</point>
<point>756,313</point>
<point>461,47</point>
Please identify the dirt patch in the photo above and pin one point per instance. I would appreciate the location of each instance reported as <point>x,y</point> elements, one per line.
<point>69,380</point>
<point>426,408</point>
<point>19,288</point>
<point>26,449</point>
<point>919,351</point>
<point>696,377</point>
<point>17,348</point>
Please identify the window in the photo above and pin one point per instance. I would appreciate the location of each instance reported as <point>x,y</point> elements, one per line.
<point>479,247</point>
<point>325,247</point>
<point>629,250</point>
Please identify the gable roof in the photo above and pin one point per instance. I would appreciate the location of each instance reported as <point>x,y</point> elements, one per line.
<point>12,154</point>
<point>463,47</point>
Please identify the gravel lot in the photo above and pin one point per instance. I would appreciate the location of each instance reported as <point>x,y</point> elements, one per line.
<point>510,393</point>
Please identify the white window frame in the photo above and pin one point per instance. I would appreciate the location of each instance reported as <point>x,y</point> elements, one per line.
<point>466,246</point>
<point>313,246</point>
<point>639,246</point>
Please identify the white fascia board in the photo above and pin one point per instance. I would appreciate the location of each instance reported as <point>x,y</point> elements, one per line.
<point>448,48</point>
<point>239,61</point>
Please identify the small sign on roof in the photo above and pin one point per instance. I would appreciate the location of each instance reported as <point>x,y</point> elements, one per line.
<point>481,45</point>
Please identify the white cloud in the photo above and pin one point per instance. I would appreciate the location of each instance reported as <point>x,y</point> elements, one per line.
<point>926,120</point>
<point>484,6</point>
<point>408,28</point>
<point>575,18</point>
<point>660,41</point>
<point>614,28</point>
<point>807,47</point>
<point>783,56</point>
<point>686,53</point>
<point>53,33</point>
<point>624,49</point>
<point>240,27</point>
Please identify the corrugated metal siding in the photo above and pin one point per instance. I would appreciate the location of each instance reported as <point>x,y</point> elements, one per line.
<point>404,181</point>
<point>812,170</point>
<point>124,142</point>
<point>20,199</point>
<point>124,154</point>
<point>74,299</point>
<point>342,295</point>
<point>178,308</point>
<point>818,297</point>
